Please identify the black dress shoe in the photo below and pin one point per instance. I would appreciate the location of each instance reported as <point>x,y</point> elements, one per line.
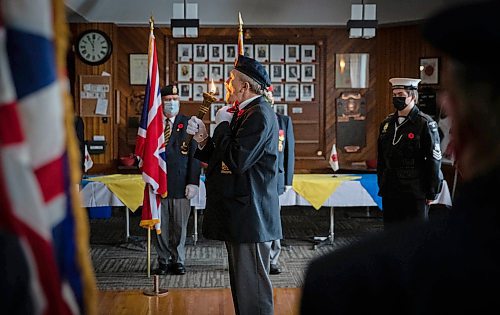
<point>162,270</point>
<point>179,269</point>
<point>274,270</point>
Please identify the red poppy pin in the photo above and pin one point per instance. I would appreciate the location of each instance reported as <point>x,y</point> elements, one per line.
<point>240,112</point>
<point>411,135</point>
<point>180,126</point>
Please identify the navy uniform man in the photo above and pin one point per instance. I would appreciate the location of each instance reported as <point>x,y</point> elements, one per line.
<point>183,175</point>
<point>286,164</point>
<point>242,178</point>
<point>409,157</point>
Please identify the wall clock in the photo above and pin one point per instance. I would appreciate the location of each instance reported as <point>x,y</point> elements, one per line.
<point>94,47</point>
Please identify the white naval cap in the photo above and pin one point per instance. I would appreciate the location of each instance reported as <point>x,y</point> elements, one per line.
<point>404,83</point>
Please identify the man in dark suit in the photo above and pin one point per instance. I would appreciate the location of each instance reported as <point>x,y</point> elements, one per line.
<point>436,267</point>
<point>242,178</point>
<point>286,164</point>
<point>183,175</point>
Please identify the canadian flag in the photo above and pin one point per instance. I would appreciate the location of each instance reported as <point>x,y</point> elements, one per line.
<point>334,159</point>
<point>88,163</point>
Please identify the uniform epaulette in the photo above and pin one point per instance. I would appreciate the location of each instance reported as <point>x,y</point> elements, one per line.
<point>424,115</point>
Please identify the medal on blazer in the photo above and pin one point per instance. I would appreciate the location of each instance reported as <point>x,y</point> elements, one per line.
<point>224,169</point>
<point>281,139</point>
<point>385,127</point>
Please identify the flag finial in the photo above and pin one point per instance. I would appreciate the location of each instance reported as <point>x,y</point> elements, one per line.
<point>151,22</point>
<point>240,21</point>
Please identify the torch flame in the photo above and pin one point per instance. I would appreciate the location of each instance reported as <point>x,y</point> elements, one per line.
<point>212,87</point>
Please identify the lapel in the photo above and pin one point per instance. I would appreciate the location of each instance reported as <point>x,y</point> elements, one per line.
<point>236,118</point>
<point>175,133</point>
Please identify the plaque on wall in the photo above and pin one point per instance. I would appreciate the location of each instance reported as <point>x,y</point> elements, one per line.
<point>351,122</point>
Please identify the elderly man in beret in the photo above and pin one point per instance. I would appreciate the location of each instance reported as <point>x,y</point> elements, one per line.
<point>436,267</point>
<point>183,177</point>
<point>242,200</point>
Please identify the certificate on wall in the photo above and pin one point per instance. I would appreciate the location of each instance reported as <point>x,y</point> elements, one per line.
<point>138,64</point>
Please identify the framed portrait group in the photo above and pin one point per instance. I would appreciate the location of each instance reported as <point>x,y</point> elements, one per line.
<point>291,68</point>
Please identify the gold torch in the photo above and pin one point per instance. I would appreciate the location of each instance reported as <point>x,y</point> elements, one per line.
<point>208,99</point>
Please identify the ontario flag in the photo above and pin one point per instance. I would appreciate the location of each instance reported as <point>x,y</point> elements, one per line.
<point>150,144</point>
<point>334,159</point>
<point>46,266</point>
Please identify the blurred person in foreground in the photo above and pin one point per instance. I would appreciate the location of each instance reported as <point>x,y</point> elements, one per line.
<point>242,184</point>
<point>436,267</point>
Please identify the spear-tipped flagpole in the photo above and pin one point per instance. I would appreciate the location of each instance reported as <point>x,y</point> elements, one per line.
<point>240,38</point>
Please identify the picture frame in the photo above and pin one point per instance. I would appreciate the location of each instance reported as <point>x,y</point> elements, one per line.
<point>261,52</point>
<point>185,92</point>
<point>429,70</point>
<point>214,107</point>
<point>281,109</point>
<point>291,92</point>
<point>219,92</point>
<point>198,89</point>
<point>215,72</point>
<point>278,92</point>
<point>200,72</point>
<point>200,52</point>
<point>307,73</point>
<point>352,71</point>
<point>230,52</point>
<point>248,50</point>
<point>184,72</point>
<point>292,53</point>
<point>292,72</point>
<point>185,52</point>
<point>138,69</point>
<point>227,70</point>
<point>277,53</point>
<point>212,129</point>
<point>308,53</point>
<point>215,52</point>
<point>277,72</point>
<point>307,92</point>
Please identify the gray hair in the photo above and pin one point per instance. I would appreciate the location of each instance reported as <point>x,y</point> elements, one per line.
<point>256,87</point>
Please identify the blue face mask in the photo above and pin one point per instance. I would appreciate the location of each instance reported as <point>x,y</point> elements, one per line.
<point>171,107</point>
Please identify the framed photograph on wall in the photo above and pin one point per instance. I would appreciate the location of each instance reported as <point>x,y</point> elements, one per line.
<point>277,53</point>
<point>291,92</point>
<point>200,52</point>
<point>308,73</point>
<point>184,72</point>
<point>292,73</point>
<point>185,52</point>
<point>185,93</point>
<point>227,70</point>
<point>248,50</point>
<point>230,52</point>
<point>215,52</point>
<point>308,53</point>
<point>281,109</point>
<point>219,92</point>
<point>306,92</point>
<point>429,70</point>
<point>278,94</point>
<point>215,73</point>
<point>262,52</point>
<point>138,67</point>
<point>200,72</point>
<point>291,53</point>
<point>277,72</point>
<point>198,89</point>
<point>214,107</point>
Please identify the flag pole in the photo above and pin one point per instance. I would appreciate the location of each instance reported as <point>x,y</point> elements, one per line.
<point>149,253</point>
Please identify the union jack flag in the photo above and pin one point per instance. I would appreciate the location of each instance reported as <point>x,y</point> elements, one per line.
<point>150,144</point>
<point>39,168</point>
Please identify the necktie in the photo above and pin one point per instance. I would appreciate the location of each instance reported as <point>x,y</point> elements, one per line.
<point>167,132</point>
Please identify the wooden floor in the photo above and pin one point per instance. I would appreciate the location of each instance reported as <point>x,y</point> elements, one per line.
<point>188,301</point>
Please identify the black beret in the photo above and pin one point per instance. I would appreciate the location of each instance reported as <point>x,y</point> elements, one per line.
<point>169,90</point>
<point>254,70</point>
<point>467,33</point>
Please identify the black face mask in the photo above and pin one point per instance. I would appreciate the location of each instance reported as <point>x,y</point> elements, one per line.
<point>399,102</point>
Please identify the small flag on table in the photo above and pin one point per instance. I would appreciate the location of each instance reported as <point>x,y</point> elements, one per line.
<point>334,159</point>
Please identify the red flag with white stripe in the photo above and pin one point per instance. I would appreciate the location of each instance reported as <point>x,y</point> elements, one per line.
<point>150,144</point>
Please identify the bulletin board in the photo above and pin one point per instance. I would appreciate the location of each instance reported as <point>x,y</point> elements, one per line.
<point>95,99</point>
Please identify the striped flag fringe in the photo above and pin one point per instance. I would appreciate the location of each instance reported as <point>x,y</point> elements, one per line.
<point>39,163</point>
<point>150,144</point>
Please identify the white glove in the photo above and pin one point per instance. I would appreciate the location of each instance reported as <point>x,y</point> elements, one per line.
<point>197,129</point>
<point>191,191</point>
<point>223,115</point>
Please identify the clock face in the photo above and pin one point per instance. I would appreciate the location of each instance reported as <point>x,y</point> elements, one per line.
<point>94,47</point>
